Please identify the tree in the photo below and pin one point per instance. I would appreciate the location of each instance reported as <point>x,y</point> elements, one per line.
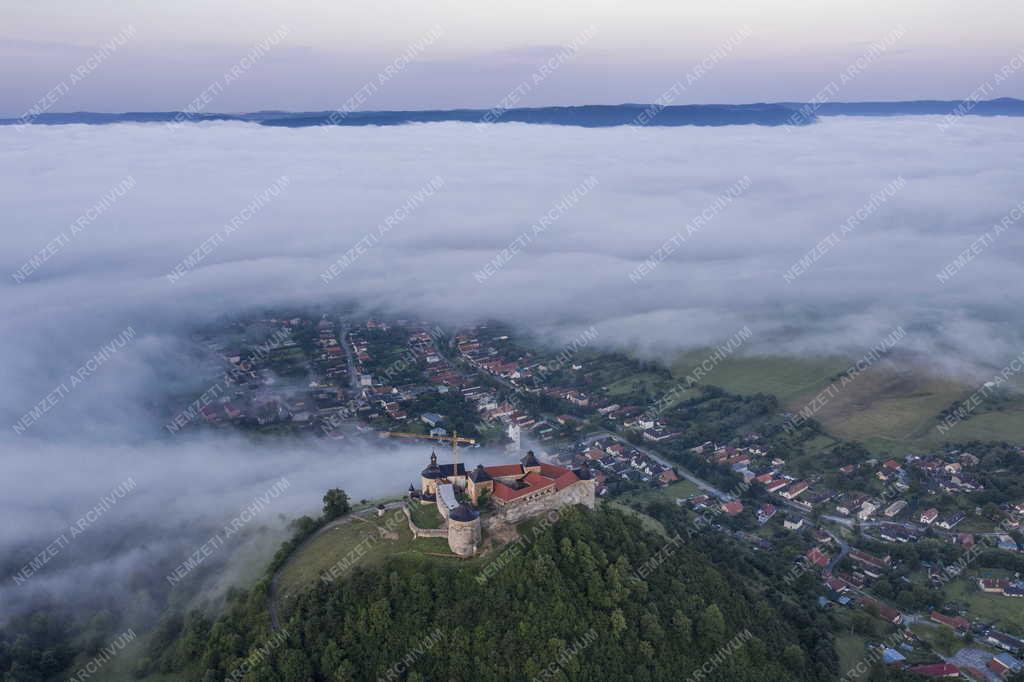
<point>336,504</point>
<point>711,627</point>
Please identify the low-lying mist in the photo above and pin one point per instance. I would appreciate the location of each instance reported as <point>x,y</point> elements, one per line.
<point>821,240</point>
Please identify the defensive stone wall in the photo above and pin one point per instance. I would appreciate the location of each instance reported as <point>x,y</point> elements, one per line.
<point>418,532</point>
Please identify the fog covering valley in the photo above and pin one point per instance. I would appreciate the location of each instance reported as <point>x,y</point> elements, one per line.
<point>439,256</point>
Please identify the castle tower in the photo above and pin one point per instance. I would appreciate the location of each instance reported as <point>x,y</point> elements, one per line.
<point>530,462</point>
<point>479,482</point>
<point>464,530</point>
<point>588,486</point>
<point>430,476</point>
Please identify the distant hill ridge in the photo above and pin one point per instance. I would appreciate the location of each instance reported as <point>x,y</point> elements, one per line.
<point>587,116</point>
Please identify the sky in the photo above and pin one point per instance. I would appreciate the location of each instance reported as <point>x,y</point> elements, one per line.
<point>144,56</point>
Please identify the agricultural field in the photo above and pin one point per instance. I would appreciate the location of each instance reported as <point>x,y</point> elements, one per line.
<point>787,378</point>
<point>1006,424</point>
<point>653,384</point>
<point>888,407</point>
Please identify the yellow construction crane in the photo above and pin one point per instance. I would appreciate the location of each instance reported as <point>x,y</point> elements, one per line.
<point>454,439</point>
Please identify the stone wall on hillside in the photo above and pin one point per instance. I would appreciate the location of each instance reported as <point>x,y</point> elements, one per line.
<point>418,532</point>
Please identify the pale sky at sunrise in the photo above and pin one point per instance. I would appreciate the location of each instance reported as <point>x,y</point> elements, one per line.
<point>484,49</point>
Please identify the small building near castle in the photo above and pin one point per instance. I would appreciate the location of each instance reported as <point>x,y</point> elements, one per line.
<point>518,491</point>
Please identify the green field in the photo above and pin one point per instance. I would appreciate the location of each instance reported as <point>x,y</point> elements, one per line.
<point>991,608</point>
<point>940,637</point>
<point>851,649</point>
<point>1005,425</point>
<point>426,515</point>
<point>786,378</point>
<point>680,489</point>
<point>888,407</point>
<point>654,385</point>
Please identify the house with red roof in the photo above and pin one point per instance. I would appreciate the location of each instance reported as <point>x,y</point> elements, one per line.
<point>816,557</point>
<point>992,584</point>
<point>955,622</point>
<point>873,566</point>
<point>885,612</point>
<point>766,512</point>
<point>794,490</point>
<point>936,670</point>
<point>668,476</point>
<point>837,585</point>
<point>732,508</point>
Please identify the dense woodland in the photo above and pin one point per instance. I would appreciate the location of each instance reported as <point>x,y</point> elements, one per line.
<point>574,577</point>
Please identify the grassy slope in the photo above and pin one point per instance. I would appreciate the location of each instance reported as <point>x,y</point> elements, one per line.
<point>851,649</point>
<point>786,378</point>
<point>888,409</point>
<point>347,540</point>
<point>426,516</point>
<point>645,520</point>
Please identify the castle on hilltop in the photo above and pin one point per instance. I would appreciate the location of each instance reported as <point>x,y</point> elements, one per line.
<point>516,491</point>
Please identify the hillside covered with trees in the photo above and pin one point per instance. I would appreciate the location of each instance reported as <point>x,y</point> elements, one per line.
<point>593,596</point>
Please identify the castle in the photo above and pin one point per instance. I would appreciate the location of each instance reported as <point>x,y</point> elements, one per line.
<point>517,492</point>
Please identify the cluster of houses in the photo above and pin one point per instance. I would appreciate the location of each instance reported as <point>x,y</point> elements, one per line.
<point>752,463</point>
<point>951,473</point>
<point>652,430</point>
<point>998,665</point>
<point>1003,586</point>
<point>529,373</point>
<point>495,356</point>
<point>866,568</point>
<point>250,391</point>
<point>378,397</point>
<point>609,459</point>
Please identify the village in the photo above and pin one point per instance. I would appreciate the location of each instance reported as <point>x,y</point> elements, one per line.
<point>891,538</point>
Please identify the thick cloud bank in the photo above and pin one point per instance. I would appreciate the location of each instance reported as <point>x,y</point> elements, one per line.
<point>326,192</point>
<point>819,239</point>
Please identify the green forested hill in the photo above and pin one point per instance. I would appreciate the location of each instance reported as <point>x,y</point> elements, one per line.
<point>566,605</point>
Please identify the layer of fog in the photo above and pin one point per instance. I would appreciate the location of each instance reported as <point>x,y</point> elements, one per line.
<point>496,183</point>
